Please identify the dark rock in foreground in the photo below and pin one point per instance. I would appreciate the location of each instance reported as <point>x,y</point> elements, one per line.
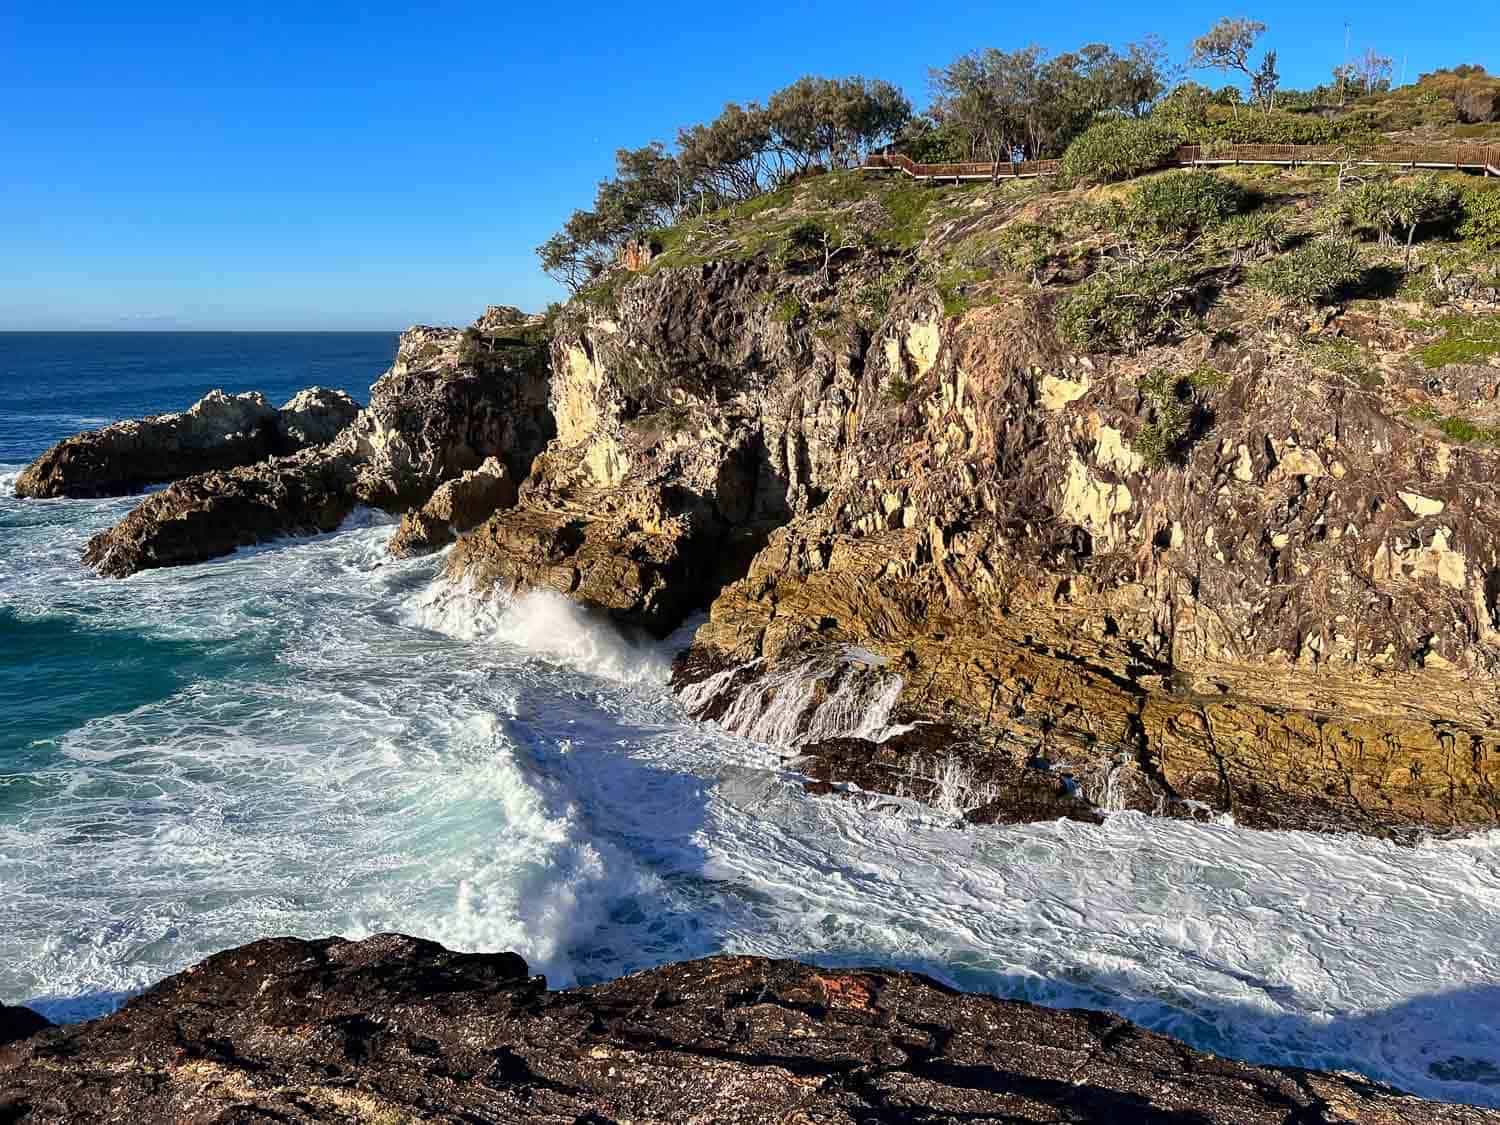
<point>394,1029</point>
<point>219,431</point>
<point>18,1023</point>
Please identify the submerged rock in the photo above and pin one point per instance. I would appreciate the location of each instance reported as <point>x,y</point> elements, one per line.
<point>396,1029</point>
<point>219,431</point>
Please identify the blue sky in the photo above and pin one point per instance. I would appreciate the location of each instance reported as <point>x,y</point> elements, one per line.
<point>323,165</point>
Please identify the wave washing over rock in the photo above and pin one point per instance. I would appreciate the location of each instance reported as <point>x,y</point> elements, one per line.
<point>373,748</point>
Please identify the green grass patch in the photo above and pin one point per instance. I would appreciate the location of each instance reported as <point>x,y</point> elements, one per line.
<point>787,310</point>
<point>953,283</point>
<point>1465,339</point>
<point>1343,357</point>
<point>1455,427</point>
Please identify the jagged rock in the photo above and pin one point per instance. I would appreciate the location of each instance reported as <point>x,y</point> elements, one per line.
<point>394,1029</point>
<point>448,403</point>
<point>219,431</point>
<point>314,417</point>
<point>211,514</point>
<point>1262,626</point>
<point>456,507</point>
<point>18,1023</point>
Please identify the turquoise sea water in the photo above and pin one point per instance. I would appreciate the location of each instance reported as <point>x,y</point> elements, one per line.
<point>311,738</point>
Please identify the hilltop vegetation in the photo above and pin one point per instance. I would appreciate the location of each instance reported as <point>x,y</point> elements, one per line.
<point>1109,114</point>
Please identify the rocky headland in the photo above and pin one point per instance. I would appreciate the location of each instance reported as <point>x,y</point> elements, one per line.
<point>394,1029</point>
<point>452,400</point>
<point>219,431</point>
<point>1246,562</point>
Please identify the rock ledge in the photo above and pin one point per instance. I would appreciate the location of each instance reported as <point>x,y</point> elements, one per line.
<point>396,1029</point>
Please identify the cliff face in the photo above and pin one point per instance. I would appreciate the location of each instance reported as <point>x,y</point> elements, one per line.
<point>449,401</point>
<point>219,431</point>
<point>397,1029</point>
<point>1293,617</point>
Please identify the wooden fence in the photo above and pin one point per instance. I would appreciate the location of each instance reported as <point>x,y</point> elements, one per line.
<point>1467,158</point>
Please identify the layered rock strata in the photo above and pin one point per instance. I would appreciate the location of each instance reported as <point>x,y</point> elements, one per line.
<point>397,1029</point>
<point>1293,619</point>
<point>452,400</point>
<point>219,431</point>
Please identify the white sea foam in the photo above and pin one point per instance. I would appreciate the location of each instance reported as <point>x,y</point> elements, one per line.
<point>843,695</point>
<point>386,751</point>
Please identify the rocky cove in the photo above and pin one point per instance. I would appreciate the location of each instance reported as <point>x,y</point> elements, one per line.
<point>937,559</point>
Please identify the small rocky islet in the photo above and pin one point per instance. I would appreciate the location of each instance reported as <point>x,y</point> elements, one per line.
<point>1247,568</point>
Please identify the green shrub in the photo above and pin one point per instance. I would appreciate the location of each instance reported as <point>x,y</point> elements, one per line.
<point>1163,438</point>
<point>1118,148</point>
<point>1126,308</point>
<point>899,389</point>
<point>787,310</point>
<point>802,242</point>
<point>1026,247</point>
<point>1395,209</point>
<point>1314,273</point>
<point>1251,237</point>
<point>1184,202</point>
<point>1282,128</point>
<point>1481,222</point>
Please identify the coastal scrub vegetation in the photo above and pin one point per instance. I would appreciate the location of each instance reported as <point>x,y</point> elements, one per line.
<point>1117,266</point>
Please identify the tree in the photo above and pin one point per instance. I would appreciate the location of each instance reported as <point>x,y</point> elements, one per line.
<point>1227,46</point>
<point>1372,72</point>
<point>1393,208</point>
<point>1264,82</point>
<point>727,159</point>
<point>833,120</point>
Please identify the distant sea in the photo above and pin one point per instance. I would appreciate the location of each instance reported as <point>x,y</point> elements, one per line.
<point>53,384</point>
<point>312,738</point>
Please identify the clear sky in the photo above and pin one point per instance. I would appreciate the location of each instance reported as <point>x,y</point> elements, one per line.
<point>326,165</point>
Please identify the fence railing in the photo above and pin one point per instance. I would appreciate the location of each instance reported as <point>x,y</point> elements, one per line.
<point>1476,158</point>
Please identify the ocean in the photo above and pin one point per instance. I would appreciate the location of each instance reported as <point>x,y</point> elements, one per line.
<point>311,738</point>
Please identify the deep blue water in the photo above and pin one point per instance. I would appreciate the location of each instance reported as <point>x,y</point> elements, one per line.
<point>77,663</point>
<point>53,384</point>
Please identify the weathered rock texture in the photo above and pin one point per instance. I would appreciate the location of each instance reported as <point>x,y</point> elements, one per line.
<point>452,399</point>
<point>457,506</point>
<point>1296,618</point>
<point>219,431</point>
<point>395,1029</point>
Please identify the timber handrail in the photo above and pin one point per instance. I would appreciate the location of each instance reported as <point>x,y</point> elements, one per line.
<point>1461,157</point>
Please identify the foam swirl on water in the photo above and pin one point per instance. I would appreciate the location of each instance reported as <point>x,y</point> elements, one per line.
<point>373,748</point>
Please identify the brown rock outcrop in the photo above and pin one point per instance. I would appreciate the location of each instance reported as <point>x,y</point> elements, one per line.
<point>452,399</point>
<point>457,506</point>
<point>19,1023</point>
<point>219,431</point>
<point>397,1029</point>
<point>1294,618</point>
